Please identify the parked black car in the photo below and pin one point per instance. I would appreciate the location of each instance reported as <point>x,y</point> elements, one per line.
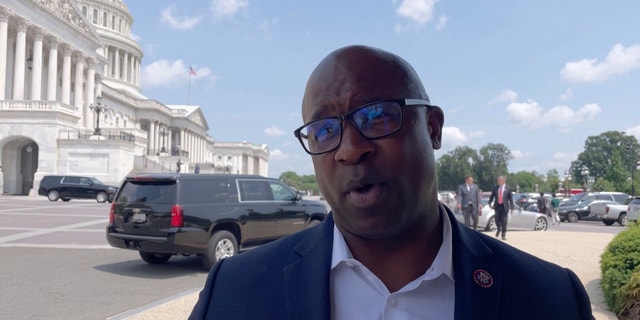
<point>67,187</point>
<point>212,215</point>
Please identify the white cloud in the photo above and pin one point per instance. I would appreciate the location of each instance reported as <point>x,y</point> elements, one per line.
<point>417,12</point>
<point>635,131</point>
<point>477,134</point>
<point>273,131</point>
<point>517,154</point>
<point>452,137</point>
<point>620,60</point>
<point>505,96</point>
<point>567,95</point>
<point>179,23</point>
<point>222,9</point>
<point>442,22</point>
<point>165,73</point>
<point>278,155</point>
<point>530,114</point>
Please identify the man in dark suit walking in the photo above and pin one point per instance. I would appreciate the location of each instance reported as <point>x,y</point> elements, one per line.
<point>503,205</point>
<point>468,197</point>
<point>389,249</point>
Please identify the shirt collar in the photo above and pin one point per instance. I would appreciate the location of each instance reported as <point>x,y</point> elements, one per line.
<point>443,262</point>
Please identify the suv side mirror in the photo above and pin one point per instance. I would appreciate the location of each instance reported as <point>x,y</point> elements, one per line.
<point>298,196</point>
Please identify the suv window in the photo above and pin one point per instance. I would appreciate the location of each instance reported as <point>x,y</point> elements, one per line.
<point>207,191</point>
<point>281,192</point>
<point>253,190</point>
<point>604,197</point>
<point>71,180</point>
<point>148,191</point>
<point>85,181</point>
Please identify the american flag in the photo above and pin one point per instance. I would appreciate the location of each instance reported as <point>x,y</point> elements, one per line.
<point>192,71</point>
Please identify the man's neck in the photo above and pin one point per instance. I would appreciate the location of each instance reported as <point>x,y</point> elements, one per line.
<point>399,260</point>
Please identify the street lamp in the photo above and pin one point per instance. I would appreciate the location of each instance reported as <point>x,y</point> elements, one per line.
<point>633,167</point>
<point>98,108</point>
<point>163,132</point>
<point>585,175</point>
<point>567,182</point>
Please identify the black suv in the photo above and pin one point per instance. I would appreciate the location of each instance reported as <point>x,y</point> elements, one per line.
<point>212,215</point>
<point>77,187</point>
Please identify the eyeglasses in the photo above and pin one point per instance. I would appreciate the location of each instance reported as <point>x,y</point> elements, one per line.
<point>373,121</point>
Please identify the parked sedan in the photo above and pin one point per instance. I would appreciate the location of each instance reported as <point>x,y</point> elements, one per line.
<point>519,219</point>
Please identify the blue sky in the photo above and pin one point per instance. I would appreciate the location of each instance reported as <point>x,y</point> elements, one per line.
<point>536,76</point>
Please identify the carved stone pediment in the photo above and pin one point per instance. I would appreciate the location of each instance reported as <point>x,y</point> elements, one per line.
<point>67,11</point>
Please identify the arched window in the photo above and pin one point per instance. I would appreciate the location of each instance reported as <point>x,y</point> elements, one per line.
<point>113,22</point>
<point>104,19</point>
<point>95,16</point>
<point>84,11</point>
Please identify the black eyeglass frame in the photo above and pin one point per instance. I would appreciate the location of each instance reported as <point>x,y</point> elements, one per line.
<point>349,116</point>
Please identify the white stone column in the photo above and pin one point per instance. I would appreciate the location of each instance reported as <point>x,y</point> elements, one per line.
<point>19,61</point>
<point>182,140</point>
<point>125,66</point>
<point>66,74</point>
<point>36,73</point>
<point>89,93</point>
<point>105,52</point>
<point>116,64</point>
<point>98,81</point>
<point>152,129</point>
<point>78,93</point>
<point>4,39</point>
<point>138,73</point>
<point>52,80</point>
<point>134,68</point>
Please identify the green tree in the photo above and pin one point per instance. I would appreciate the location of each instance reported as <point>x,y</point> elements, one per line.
<point>291,178</point>
<point>552,183</point>
<point>493,162</point>
<point>525,181</point>
<point>452,167</point>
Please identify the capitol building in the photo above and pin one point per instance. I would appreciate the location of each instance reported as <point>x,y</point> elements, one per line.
<point>70,102</point>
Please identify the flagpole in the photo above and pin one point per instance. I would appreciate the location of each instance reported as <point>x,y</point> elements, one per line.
<point>189,89</point>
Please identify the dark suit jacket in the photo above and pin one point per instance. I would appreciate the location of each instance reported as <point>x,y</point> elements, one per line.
<point>289,279</point>
<point>473,196</point>
<point>507,198</point>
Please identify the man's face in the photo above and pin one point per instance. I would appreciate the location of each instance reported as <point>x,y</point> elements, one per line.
<point>469,180</point>
<point>376,188</point>
<point>501,181</point>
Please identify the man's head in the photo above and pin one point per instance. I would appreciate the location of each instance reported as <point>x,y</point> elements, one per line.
<point>501,180</point>
<point>378,181</point>
<point>468,180</point>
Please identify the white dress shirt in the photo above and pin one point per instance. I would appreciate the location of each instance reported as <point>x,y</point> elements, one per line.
<point>357,293</point>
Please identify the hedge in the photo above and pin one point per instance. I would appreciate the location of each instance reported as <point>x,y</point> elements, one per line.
<point>619,262</point>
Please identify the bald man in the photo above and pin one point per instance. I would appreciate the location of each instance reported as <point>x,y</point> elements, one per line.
<point>389,249</point>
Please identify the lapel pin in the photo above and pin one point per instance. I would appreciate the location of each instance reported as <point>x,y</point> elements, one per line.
<point>483,278</point>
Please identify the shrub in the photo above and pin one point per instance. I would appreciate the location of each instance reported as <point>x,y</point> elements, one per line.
<point>619,261</point>
<point>629,298</point>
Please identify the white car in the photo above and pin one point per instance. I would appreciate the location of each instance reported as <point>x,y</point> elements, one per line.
<point>633,209</point>
<point>518,219</point>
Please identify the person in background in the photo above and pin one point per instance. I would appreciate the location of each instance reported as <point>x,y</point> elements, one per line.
<point>468,198</point>
<point>541,201</point>
<point>555,204</point>
<point>501,200</point>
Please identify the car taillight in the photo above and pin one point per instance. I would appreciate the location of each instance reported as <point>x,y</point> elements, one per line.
<point>176,216</point>
<point>112,213</point>
<point>606,210</point>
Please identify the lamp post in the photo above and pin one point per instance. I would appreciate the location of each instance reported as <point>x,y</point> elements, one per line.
<point>585,175</point>
<point>98,108</point>
<point>634,163</point>
<point>163,132</point>
<point>567,182</point>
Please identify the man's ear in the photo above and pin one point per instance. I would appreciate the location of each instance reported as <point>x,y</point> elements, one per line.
<point>435,121</point>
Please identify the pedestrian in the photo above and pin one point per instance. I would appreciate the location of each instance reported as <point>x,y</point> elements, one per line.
<point>555,204</point>
<point>542,203</point>
<point>501,201</point>
<point>197,168</point>
<point>389,249</point>
<point>469,202</point>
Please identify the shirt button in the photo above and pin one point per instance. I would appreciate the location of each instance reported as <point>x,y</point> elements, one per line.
<point>393,302</point>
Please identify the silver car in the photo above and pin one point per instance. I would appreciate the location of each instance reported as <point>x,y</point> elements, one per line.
<point>518,219</point>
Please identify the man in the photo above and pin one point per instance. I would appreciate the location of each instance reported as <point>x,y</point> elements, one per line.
<point>542,203</point>
<point>503,205</point>
<point>389,248</point>
<point>468,197</point>
<point>555,204</point>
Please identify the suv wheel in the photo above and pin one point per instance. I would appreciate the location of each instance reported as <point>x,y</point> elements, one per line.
<point>101,197</point>
<point>221,245</point>
<point>53,195</point>
<point>154,258</point>
<point>572,217</point>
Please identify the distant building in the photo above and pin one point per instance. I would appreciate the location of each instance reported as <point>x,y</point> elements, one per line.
<point>70,101</point>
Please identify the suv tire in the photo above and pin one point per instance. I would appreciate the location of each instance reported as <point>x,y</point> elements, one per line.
<point>572,217</point>
<point>154,258</point>
<point>53,195</point>
<point>222,244</point>
<point>101,197</point>
<point>622,220</point>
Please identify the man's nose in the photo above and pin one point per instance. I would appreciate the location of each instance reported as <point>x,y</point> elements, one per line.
<point>354,147</point>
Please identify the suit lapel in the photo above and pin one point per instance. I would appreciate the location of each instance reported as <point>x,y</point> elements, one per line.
<point>477,282</point>
<point>308,296</point>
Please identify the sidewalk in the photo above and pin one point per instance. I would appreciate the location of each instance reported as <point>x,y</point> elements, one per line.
<point>577,251</point>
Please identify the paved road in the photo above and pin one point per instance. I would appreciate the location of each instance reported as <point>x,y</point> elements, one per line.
<point>56,263</point>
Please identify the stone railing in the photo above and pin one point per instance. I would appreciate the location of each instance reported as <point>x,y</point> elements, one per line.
<point>37,105</point>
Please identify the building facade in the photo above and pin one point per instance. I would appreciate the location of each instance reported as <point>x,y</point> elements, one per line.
<point>70,101</point>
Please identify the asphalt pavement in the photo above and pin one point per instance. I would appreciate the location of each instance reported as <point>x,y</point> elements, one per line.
<point>578,251</point>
